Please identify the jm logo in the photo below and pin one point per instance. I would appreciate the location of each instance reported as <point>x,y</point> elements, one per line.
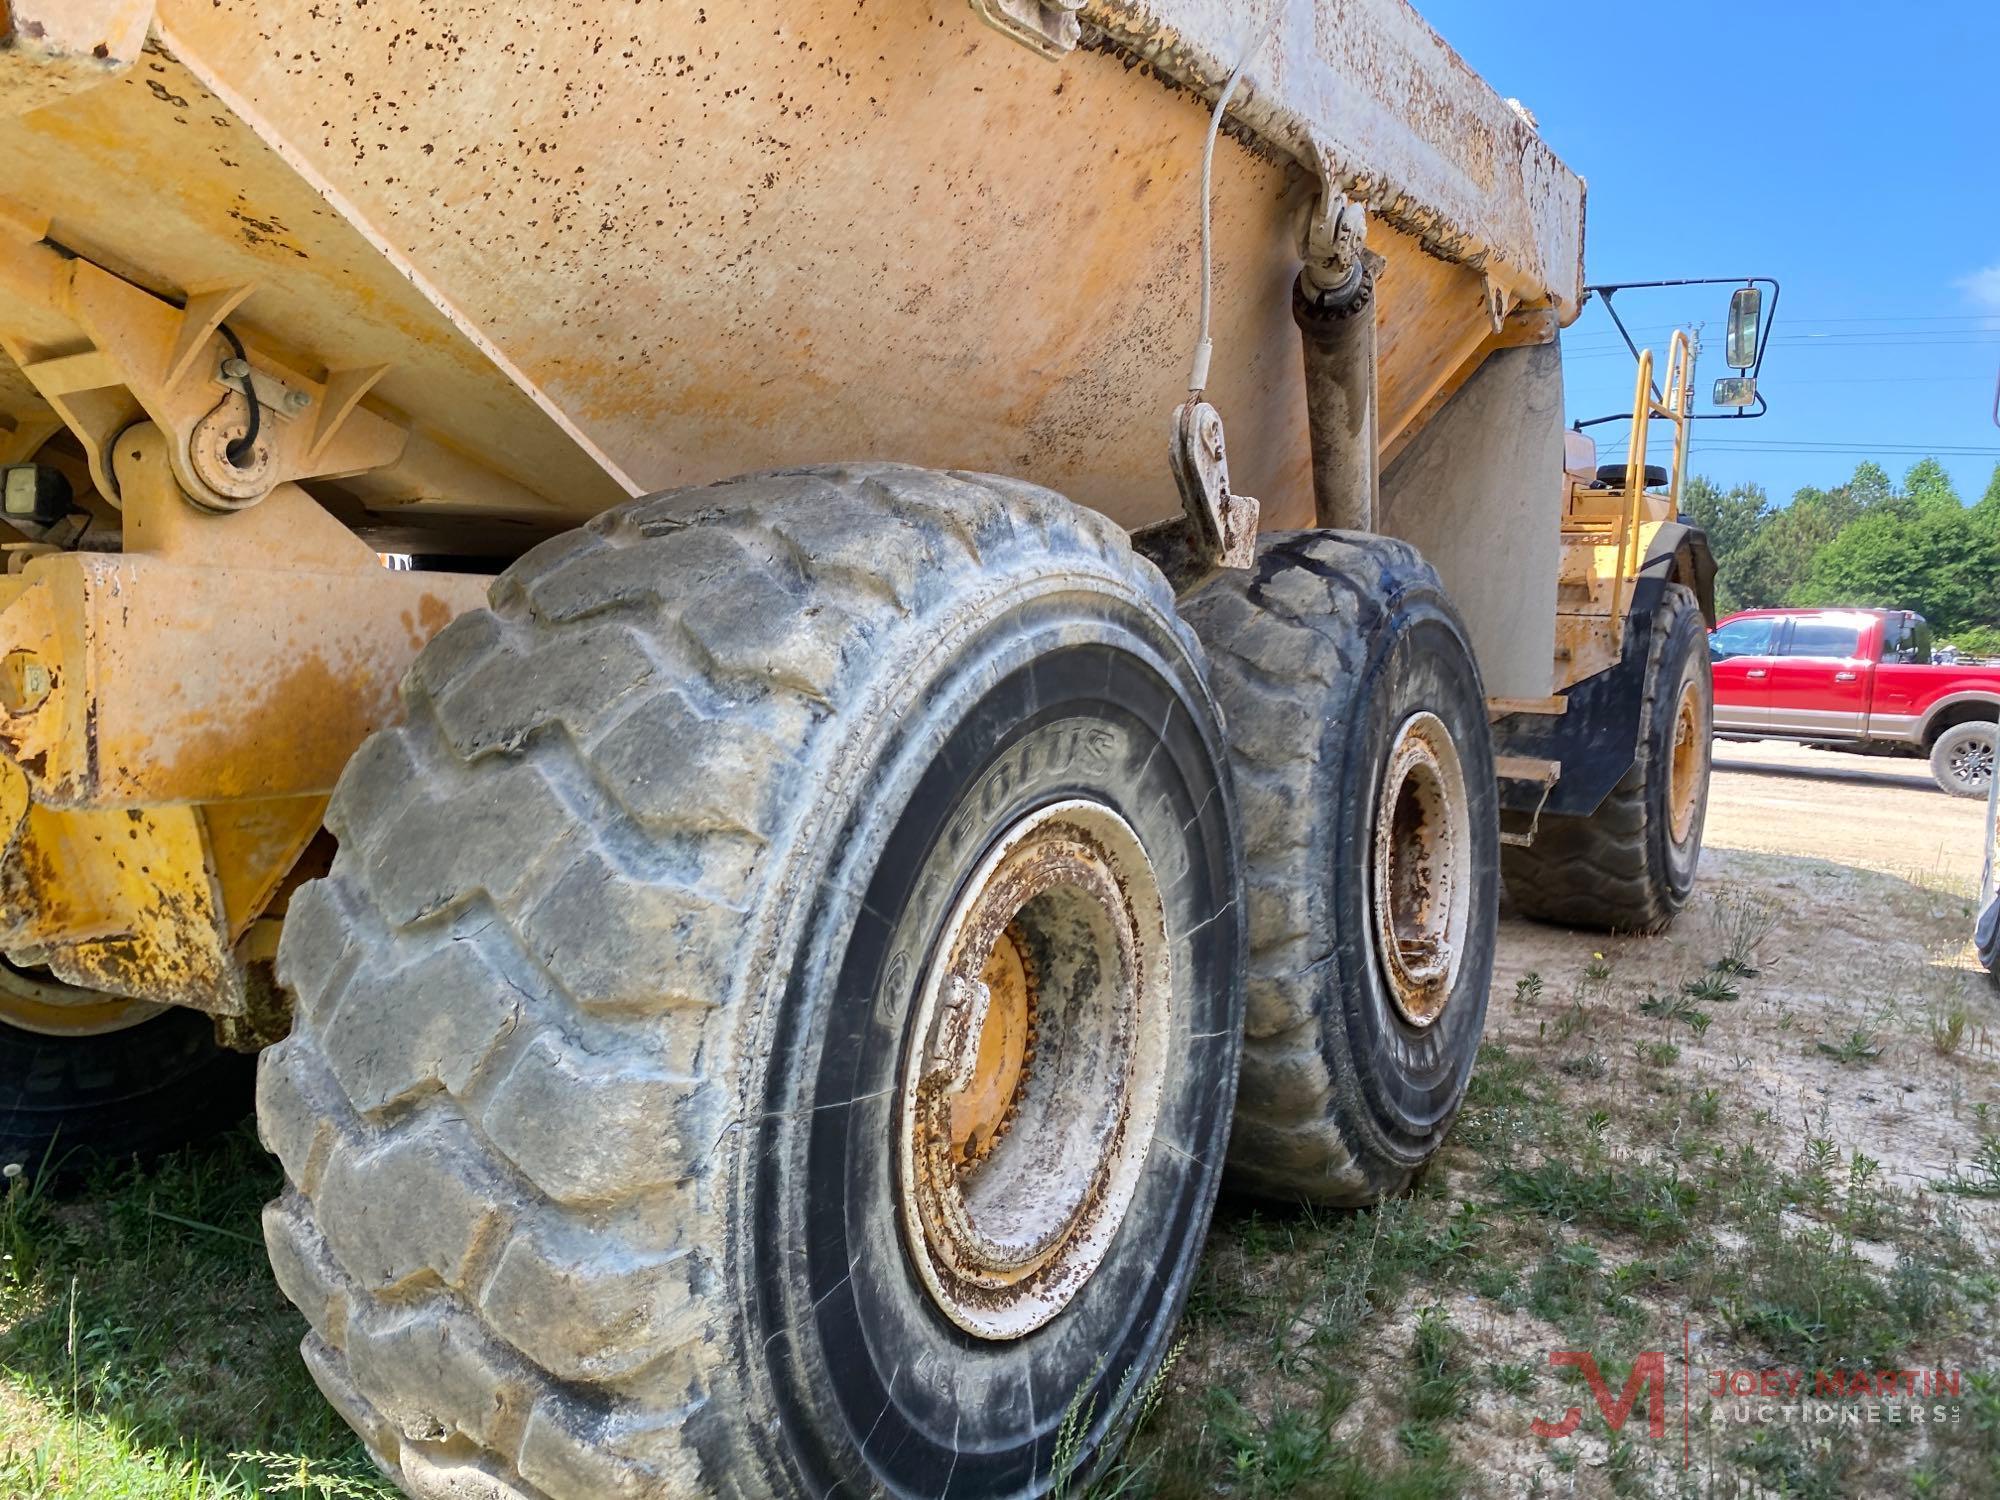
<point>1649,1373</point>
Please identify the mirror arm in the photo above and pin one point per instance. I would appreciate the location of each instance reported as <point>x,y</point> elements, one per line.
<point>1763,406</point>
<point>1617,416</point>
<point>1606,290</point>
<point>1606,293</point>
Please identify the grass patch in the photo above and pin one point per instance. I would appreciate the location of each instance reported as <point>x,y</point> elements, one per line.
<point>1711,988</point>
<point>1814,1301</point>
<point>1679,1006</point>
<point>1591,1065</point>
<point>1631,1199</point>
<point>1437,1351</point>
<point>1979,1177</point>
<point>1789,1461</point>
<point>148,1348</point>
<point>1659,1054</point>
<point>1946,1024</point>
<point>1859,1045</point>
<point>1743,919</point>
<point>1291,1452</point>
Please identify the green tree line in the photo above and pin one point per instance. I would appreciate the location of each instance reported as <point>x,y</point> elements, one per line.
<point>1865,542</point>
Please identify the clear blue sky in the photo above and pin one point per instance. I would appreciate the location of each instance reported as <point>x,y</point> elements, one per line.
<point>1852,151</point>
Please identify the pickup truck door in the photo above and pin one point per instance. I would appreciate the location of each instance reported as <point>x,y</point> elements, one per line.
<point>1820,678</point>
<point>1739,658</point>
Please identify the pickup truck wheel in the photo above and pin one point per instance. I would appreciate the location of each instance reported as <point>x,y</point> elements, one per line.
<point>86,1076</point>
<point>1962,759</point>
<point>772,1023</point>
<point>1359,744</point>
<point>1630,866</point>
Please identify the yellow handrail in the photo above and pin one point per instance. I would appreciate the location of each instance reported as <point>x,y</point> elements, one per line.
<point>1675,404</point>
<point>1678,404</point>
<point>1635,484</point>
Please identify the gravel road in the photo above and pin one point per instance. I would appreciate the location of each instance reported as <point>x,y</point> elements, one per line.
<point>1871,811</point>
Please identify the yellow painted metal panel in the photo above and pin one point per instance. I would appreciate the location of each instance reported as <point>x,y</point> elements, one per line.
<point>719,238</point>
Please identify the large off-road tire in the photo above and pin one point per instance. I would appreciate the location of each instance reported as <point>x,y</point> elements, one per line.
<point>1630,866</point>
<point>99,1078</point>
<point>1364,767</point>
<point>611,1136</point>
<point>1962,759</point>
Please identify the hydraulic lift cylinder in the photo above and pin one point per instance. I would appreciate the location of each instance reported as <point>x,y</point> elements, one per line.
<point>1337,328</point>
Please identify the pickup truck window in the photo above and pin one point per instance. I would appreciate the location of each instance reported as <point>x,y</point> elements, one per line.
<point>1742,638</point>
<point>1823,638</point>
<point>1906,640</point>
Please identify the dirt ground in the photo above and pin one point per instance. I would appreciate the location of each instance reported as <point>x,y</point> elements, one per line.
<point>1763,1147</point>
<point>1868,811</point>
<point>1867,871</point>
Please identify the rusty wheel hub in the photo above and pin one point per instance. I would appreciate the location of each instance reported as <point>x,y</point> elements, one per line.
<point>1421,854</point>
<point>984,1112</point>
<point>1687,763</point>
<point>1030,1096</point>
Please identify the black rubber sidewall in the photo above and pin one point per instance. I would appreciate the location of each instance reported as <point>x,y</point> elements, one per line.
<point>859,1355</point>
<point>1406,1080</point>
<point>146,1089</point>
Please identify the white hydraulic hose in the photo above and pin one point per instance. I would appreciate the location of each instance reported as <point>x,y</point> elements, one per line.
<point>1204,346</point>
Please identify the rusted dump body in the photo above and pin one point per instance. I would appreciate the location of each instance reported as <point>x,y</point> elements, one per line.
<point>603,249</point>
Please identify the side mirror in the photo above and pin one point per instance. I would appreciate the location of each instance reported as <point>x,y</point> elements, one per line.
<point>1746,309</point>
<point>1735,390</point>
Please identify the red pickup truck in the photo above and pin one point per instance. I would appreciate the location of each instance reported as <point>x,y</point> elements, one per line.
<point>1855,679</point>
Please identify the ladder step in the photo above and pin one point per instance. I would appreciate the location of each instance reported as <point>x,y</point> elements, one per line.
<point>1500,708</point>
<point>1527,768</point>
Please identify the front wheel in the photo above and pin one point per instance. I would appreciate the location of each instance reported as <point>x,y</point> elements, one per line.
<point>772,1024</point>
<point>1360,748</point>
<point>86,1076</point>
<point>1962,758</point>
<point>1630,865</point>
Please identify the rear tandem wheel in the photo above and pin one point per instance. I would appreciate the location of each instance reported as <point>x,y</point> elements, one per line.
<point>1359,745</point>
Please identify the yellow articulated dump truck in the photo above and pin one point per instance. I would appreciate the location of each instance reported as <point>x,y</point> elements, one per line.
<point>651,600</point>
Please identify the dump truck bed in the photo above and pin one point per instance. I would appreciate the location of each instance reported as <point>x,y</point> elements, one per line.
<point>608,249</point>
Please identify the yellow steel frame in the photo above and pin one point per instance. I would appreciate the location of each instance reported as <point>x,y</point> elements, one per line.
<point>172,719</point>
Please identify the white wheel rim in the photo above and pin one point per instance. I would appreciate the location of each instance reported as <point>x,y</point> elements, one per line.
<point>1422,858</point>
<point>1007,1221</point>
